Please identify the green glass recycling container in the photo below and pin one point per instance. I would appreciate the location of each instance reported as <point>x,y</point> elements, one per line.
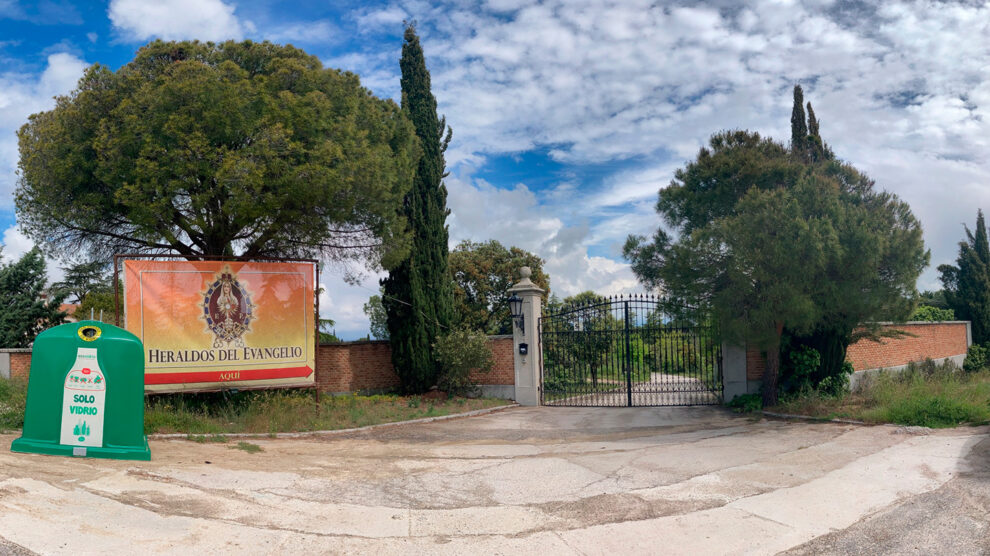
<point>86,394</point>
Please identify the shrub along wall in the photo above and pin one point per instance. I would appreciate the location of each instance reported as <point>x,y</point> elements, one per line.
<point>924,340</point>
<point>344,367</point>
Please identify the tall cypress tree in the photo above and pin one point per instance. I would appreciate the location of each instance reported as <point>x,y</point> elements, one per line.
<point>967,285</point>
<point>799,129</point>
<point>418,296</point>
<point>818,150</point>
<point>833,333</point>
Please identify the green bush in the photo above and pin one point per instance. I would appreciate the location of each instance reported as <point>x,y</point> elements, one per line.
<point>976,358</point>
<point>459,353</point>
<point>836,385</point>
<point>932,314</point>
<point>800,365</point>
<point>746,403</point>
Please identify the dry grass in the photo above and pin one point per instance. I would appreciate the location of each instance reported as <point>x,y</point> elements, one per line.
<point>274,411</point>
<point>207,417</point>
<point>924,395</point>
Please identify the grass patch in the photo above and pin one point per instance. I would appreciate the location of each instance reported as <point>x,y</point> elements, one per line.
<point>205,438</point>
<point>247,447</point>
<point>13,395</point>
<point>926,395</point>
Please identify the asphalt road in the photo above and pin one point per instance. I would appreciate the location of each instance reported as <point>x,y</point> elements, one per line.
<point>521,481</point>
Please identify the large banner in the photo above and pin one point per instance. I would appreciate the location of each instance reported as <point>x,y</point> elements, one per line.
<point>208,325</point>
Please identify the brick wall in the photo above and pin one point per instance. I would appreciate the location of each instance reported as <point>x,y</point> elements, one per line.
<point>926,340</point>
<point>504,372</point>
<point>355,366</point>
<point>20,364</point>
<point>367,365</point>
<point>755,364</point>
<point>934,340</point>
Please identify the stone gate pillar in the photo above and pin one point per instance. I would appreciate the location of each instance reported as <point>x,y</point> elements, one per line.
<point>527,366</point>
<point>734,381</point>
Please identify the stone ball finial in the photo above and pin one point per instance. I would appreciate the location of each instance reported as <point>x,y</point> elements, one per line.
<point>525,272</point>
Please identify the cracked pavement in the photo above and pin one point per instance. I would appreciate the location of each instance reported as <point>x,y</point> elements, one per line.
<point>524,480</point>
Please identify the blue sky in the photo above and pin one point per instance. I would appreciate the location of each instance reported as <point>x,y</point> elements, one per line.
<point>569,116</point>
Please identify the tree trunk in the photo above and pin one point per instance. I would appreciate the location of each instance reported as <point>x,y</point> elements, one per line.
<point>773,368</point>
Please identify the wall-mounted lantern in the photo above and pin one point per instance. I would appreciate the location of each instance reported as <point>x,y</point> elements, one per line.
<point>515,309</point>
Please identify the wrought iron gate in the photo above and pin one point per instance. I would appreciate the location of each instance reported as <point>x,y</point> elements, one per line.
<point>629,351</point>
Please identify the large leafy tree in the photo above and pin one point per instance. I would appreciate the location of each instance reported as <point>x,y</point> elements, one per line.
<point>99,305</point>
<point>769,241</point>
<point>377,317</point>
<point>483,272</point>
<point>417,292</point>
<point>24,311</point>
<point>90,285</point>
<point>967,284</point>
<point>237,148</point>
<point>84,278</point>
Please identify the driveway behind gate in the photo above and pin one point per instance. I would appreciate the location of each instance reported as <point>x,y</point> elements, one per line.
<point>633,351</point>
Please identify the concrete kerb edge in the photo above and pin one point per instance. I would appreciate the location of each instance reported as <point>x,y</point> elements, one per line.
<point>818,419</point>
<point>475,413</point>
<point>905,429</point>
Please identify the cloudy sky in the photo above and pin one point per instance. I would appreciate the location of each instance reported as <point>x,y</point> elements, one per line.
<point>568,116</point>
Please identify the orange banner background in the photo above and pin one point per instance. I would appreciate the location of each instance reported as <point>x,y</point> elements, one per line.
<point>273,339</point>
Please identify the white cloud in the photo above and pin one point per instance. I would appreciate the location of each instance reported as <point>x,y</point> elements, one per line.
<point>321,31</point>
<point>518,217</point>
<point>390,16</point>
<point>343,300</point>
<point>899,94</point>
<point>22,95</point>
<point>15,244</point>
<point>61,75</point>
<point>205,20</point>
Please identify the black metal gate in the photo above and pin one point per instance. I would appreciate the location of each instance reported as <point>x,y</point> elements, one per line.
<point>629,351</point>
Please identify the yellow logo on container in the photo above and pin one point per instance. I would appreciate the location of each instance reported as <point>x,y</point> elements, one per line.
<point>89,333</point>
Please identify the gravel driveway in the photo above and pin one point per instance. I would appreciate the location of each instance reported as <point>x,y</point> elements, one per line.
<point>520,481</point>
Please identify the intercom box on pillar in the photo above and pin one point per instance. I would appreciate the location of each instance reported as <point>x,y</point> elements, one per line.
<point>86,394</point>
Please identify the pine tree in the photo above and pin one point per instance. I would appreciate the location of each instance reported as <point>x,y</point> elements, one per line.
<point>871,243</point>
<point>967,285</point>
<point>23,310</point>
<point>799,129</point>
<point>418,292</point>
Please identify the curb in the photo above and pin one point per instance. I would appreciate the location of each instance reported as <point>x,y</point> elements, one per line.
<point>816,419</point>
<point>335,432</point>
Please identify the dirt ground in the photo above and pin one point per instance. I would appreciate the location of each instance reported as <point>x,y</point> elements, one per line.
<point>521,481</point>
